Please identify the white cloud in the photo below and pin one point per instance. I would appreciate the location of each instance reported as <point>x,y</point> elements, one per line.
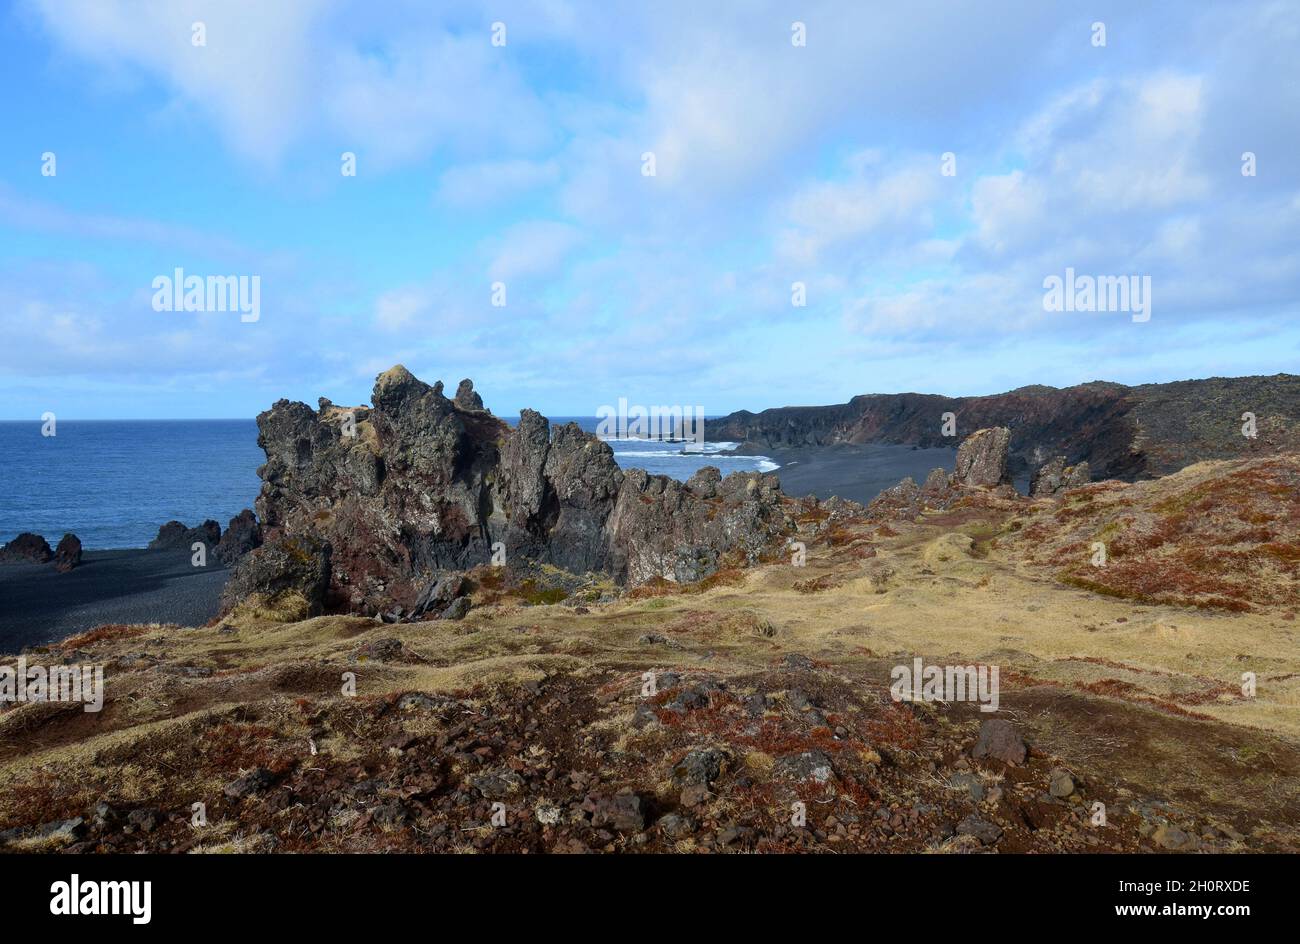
<point>489,183</point>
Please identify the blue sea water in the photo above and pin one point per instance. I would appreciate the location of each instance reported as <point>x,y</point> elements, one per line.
<point>113,482</point>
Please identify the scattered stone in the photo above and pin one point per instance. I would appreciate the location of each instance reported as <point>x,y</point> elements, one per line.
<point>390,815</point>
<point>381,650</point>
<point>700,767</point>
<point>1062,784</point>
<point>969,783</point>
<point>1171,837</point>
<point>675,826</point>
<point>622,811</point>
<point>1000,740</point>
<point>144,820</point>
<point>497,784</point>
<point>987,833</point>
<point>256,781</point>
<point>812,766</point>
<point>103,815</point>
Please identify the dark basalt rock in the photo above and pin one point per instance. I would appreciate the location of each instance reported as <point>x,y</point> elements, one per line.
<point>1056,476</point>
<point>1000,740</point>
<point>174,534</point>
<point>27,548</point>
<point>243,534</point>
<point>68,554</point>
<point>1122,432</point>
<point>466,398</point>
<point>287,565</point>
<point>427,484</point>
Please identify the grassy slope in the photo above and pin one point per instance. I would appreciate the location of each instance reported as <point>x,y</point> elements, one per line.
<point>1135,692</point>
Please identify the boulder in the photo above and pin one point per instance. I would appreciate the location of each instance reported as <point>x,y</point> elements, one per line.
<point>936,482</point>
<point>287,575</point>
<point>982,458</point>
<point>1055,476</point>
<point>1000,740</point>
<point>243,534</point>
<point>175,535</point>
<point>68,554</point>
<point>27,548</point>
<point>440,593</point>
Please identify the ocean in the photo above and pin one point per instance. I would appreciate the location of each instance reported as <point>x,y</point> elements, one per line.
<point>114,482</point>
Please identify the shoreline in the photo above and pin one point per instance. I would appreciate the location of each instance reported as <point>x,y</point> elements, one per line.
<point>123,586</point>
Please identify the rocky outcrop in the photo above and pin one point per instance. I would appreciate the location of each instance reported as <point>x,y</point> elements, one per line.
<point>68,554</point>
<point>982,458</point>
<point>418,484</point>
<point>243,534</point>
<point>980,475</point>
<point>1122,432</point>
<point>1056,476</point>
<point>288,577</point>
<point>27,548</point>
<point>466,398</point>
<point>175,534</point>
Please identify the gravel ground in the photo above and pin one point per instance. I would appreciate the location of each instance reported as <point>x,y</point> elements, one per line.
<point>39,605</point>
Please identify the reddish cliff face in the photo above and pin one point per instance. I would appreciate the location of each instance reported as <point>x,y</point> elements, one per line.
<point>1122,432</point>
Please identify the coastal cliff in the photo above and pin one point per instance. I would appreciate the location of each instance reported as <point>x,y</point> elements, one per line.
<point>1122,432</point>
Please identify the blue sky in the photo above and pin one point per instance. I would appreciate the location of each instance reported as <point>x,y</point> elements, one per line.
<point>522,164</point>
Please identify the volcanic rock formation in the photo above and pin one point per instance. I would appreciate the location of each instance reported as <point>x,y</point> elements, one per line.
<point>1056,476</point>
<point>419,484</point>
<point>27,548</point>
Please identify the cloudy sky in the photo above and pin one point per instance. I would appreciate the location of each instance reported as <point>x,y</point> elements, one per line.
<point>523,164</point>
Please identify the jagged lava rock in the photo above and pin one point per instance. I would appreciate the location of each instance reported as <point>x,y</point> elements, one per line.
<point>424,484</point>
<point>175,534</point>
<point>27,548</point>
<point>243,534</point>
<point>68,554</point>
<point>1055,476</point>
<point>289,575</point>
<point>982,458</point>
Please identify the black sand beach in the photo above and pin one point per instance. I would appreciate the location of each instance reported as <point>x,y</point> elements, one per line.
<point>858,472</point>
<point>39,605</point>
